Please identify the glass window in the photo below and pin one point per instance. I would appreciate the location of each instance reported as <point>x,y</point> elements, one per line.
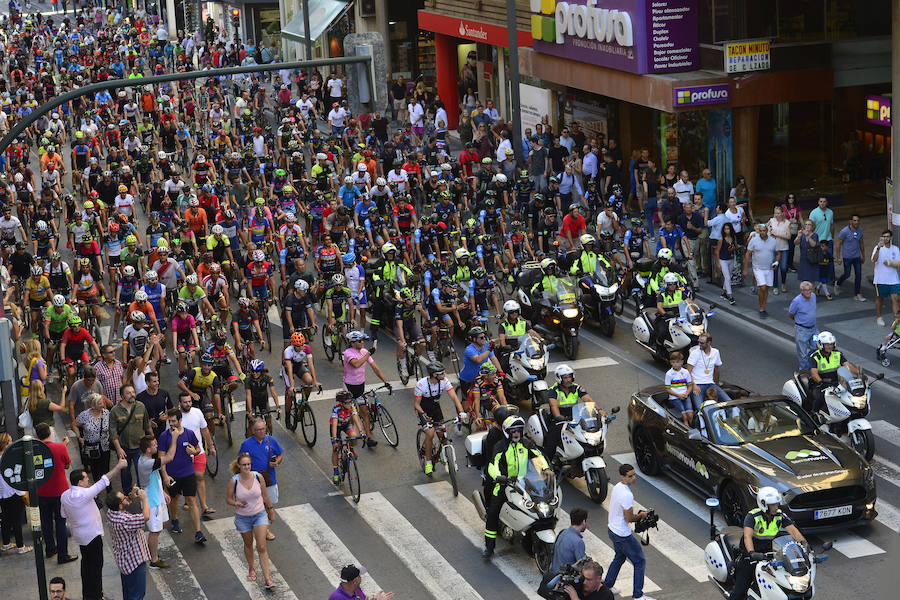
<point>801,20</point>
<point>852,19</point>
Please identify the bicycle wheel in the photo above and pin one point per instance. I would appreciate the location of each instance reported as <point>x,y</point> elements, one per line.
<point>212,462</point>
<point>307,423</point>
<point>450,462</point>
<point>268,332</point>
<point>420,448</point>
<point>227,409</point>
<point>327,346</point>
<point>454,358</point>
<point>386,423</point>
<point>353,477</point>
<point>290,417</point>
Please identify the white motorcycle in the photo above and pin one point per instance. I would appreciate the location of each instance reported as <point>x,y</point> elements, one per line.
<point>683,329</point>
<point>531,506</point>
<point>786,573</point>
<point>582,442</point>
<point>527,370</point>
<point>845,410</point>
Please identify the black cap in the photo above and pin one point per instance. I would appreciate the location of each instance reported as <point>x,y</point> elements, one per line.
<point>351,572</point>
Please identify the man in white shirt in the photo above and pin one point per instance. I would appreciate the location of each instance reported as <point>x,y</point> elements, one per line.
<point>704,362</point>
<point>626,546</point>
<point>416,119</point>
<point>886,258</point>
<point>335,87</point>
<point>81,512</point>
<point>192,419</point>
<point>684,189</point>
<point>589,163</point>
<point>336,118</point>
<point>398,176</point>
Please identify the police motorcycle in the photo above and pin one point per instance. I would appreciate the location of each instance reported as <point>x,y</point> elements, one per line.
<point>682,329</point>
<point>531,504</point>
<point>786,573</point>
<point>599,294</point>
<point>527,370</point>
<point>583,441</point>
<point>557,313</point>
<point>846,405</point>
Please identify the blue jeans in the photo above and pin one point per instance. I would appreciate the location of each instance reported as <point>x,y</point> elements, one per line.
<point>626,548</point>
<point>53,525</point>
<point>722,396</point>
<point>782,268</point>
<point>132,456</point>
<point>134,585</point>
<point>805,344</point>
<point>856,265</point>
<point>650,207</point>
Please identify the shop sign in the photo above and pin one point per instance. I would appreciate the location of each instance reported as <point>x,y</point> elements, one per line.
<point>486,33</point>
<point>683,97</point>
<point>752,55</point>
<point>639,36</point>
<point>878,110</point>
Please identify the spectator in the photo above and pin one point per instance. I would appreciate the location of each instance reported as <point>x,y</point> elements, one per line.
<point>569,547</point>
<point>590,165</point>
<point>504,145</point>
<point>179,473</point>
<point>193,420</point>
<point>12,509</point>
<point>157,401</point>
<point>53,525</point>
<point>83,515</point>
<point>566,140</point>
<point>738,218</point>
<point>765,256</point>
<point>92,428</point>
<point>590,586</point>
<point>149,469</point>
<point>779,229</point>
<point>129,545</point>
<point>706,186</point>
<point>350,586</point>
<point>886,257</point>
<point>714,224</point>
<point>110,372</point>
<point>823,218</point>
<point>805,240</point>
<point>570,190</point>
<point>78,398</point>
<point>253,512</point>
<point>558,155</point>
<point>491,111</point>
<point>803,312</point>
<point>539,164</point>
<point>42,408</point>
<point>465,129</point>
<point>704,363</point>
<point>128,423</point>
<point>684,189</point>
<point>398,99</point>
<point>266,454</point>
<point>851,252</point>
<point>417,119</point>
<point>795,216</point>
<point>726,251</point>
<point>626,546</point>
<point>741,193</point>
<point>57,588</point>
<point>691,223</point>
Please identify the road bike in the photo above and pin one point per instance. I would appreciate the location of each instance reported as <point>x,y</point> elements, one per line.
<point>347,468</point>
<point>379,414</point>
<point>444,346</point>
<point>447,453</point>
<point>301,412</point>
<point>334,341</point>
<point>413,364</point>
<point>256,413</point>
<point>227,413</point>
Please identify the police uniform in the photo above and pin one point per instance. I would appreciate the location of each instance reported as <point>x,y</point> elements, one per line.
<point>510,460</point>
<point>827,367</point>
<point>586,263</point>
<point>566,400</point>
<point>384,278</point>
<point>765,530</point>
<point>670,302</point>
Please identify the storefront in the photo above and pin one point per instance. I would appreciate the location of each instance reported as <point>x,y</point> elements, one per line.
<point>467,55</point>
<point>329,21</point>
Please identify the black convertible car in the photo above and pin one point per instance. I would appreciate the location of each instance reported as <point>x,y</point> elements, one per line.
<point>736,447</point>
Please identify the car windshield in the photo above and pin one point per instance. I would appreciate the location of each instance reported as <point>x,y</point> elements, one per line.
<point>586,415</point>
<point>539,481</point>
<point>532,347</point>
<point>755,422</point>
<point>565,291</point>
<point>791,554</point>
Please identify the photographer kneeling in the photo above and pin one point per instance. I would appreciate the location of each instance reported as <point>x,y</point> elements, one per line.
<point>586,586</point>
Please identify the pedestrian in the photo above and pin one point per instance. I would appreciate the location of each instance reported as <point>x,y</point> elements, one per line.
<point>569,547</point>
<point>704,363</point>
<point>850,251</point>
<point>128,423</point>
<point>83,515</point>
<point>803,312</point>
<point>92,428</point>
<point>763,252</point>
<point>725,252</point>
<point>12,509</point>
<point>157,401</point>
<point>355,360</point>
<point>57,588</point>
<point>192,418</point>
<point>350,586</point>
<point>826,269</point>
<point>886,258</point>
<point>42,408</point>
<point>806,240</point>
<point>266,454</point>
<point>149,469</point>
<point>625,545</point>
<point>684,189</point>
<point>78,399</point>
<point>823,219</point>
<point>110,372</point>
<point>794,216</point>
<point>714,224</point>
<point>779,229</point>
<point>129,545</point>
<point>53,525</point>
<point>253,512</point>
<point>178,475</point>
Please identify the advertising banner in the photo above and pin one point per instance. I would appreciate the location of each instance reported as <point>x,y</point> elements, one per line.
<point>751,55</point>
<point>685,97</point>
<point>878,110</point>
<point>535,102</point>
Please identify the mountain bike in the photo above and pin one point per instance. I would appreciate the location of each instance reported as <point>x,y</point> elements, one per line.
<point>446,454</point>
<point>379,414</point>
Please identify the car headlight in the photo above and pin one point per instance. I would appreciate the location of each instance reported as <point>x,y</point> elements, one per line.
<point>570,313</point>
<point>799,583</point>
<point>869,476</point>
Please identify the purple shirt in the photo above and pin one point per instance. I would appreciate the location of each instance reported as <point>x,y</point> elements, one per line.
<point>182,463</point>
<point>340,594</point>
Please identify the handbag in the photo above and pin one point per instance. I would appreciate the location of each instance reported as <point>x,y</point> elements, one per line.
<point>91,451</point>
<point>25,420</point>
<point>266,475</point>
<point>814,254</point>
<point>794,227</point>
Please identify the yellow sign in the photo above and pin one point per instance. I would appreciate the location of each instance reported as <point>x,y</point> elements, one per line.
<point>752,55</point>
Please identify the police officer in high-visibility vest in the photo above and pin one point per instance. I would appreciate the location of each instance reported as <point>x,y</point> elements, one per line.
<point>667,302</point>
<point>510,461</point>
<point>511,329</point>
<point>586,263</point>
<point>761,526</point>
<point>549,281</point>
<point>563,397</point>
<point>826,366</point>
<point>387,276</point>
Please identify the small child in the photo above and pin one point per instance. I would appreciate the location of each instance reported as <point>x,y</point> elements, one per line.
<point>826,270</point>
<point>680,386</point>
<point>892,337</point>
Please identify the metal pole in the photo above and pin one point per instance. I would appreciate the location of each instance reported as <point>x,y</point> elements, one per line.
<point>34,517</point>
<point>7,375</point>
<point>512,33</point>
<point>895,103</point>
<point>308,41</point>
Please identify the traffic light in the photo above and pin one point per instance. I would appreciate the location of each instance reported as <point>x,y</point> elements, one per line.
<point>235,18</point>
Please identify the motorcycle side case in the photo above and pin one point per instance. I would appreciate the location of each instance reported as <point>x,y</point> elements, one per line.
<point>474,454</point>
<point>790,390</point>
<point>534,430</point>
<point>641,329</point>
<point>716,564</point>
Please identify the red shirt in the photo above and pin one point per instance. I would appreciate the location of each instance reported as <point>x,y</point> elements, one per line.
<point>466,159</point>
<point>58,482</point>
<point>575,227</point>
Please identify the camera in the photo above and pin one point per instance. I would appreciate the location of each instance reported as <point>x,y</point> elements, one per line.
<point>552,587</point>
<point>644,524</point>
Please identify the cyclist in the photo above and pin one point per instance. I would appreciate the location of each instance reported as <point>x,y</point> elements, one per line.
<point>297,360</point>
<point>142,304</point>
<point>197,382</point>
<point>37,287</point>
<point>195,298</point>
<point>355,275</point>
<point>257,387</point>
<point>485,394</point>
<point>245,327</point>
<point>72,347</point>
<point>125,289</point>
<point>344,419</point>
<point>426,402</point>
<point>56,319</point>
<point>259,284</point>
<point>216,287</point>
<point>355,359</point>
<point>406,326</point>
<point>338,305</point>
<point>184,336</point>
<point>483,294</point>
<point>86,288</point>
<point>224,359</point>
<point>443,303</point>
<point>297,311</point>
<point>59,274</point>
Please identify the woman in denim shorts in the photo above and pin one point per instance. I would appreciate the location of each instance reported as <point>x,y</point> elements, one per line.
<point>253,511</point>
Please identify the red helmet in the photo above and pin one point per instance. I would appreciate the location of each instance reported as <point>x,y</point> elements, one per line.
<point>113,226</point>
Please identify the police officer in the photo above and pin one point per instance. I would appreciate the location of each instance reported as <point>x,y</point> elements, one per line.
<point>385,278</point>
<point>511,329</point>
<point>667,302</point>
<point>761,526</point>
<point>586,263</point>
<point>495,436</point>
<point>549,280</point>
<point>563,396</point>
<point>826,366</point>
<point>509,462</point>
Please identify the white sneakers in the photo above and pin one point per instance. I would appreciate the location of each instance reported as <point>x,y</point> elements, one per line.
<point>614,590</point>
<point>859,298</point>
<point>880,322</point>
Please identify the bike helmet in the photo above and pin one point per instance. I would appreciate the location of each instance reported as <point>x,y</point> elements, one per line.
<point>207,358</point>
<point>87,237</point>
<point>356,336</point>
<point>128,271</point>
<point>670,279</point>
<point>380,182</point>
<point>42,225</point>
<point>435,367</point>
<point>114,227</point>
<point>301,285</point>
<point>74,321</point>
<point>487,368</point>
<point>151,277</point>
<point>215,268</point>
<point>512,424</point>
<point>511,306</point>
<point>479,273</point>
<point>244,302</point>
<point>297,338</point>
<point>767,496</point>
<point>475,332</point>
<point>257,365</point>
<point>131,239</point>
<point>182,307</point>
<point>348,180</point>
<point>349,258</point>
<point>140,296</point>
<point>218,229</point>
<point>55,255</point>
<point>138,317</point>
<point>259,256</point>
<point>664,254</point>
<point>59,300</point>
<point>338,279</point>
<point>344,397</point>
<point>501,178</point>
<point>84,262</point>
<point>37,271</point>
<point>219,338</point>
<point>826,337</point>
<point>191,279</point>
<point>462,253</point>
<point>406,294</point>
<point>562,371</point>
<point>586,239</point>
<point>446,282</point>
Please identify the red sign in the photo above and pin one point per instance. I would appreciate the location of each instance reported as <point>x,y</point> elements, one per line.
<point>486,33</point>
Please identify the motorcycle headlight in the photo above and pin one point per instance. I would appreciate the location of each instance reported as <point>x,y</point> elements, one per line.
<point>799,583</point>
<point>535,364</point>
<point>593,438</point>
<point>601,289</point>
<point>543,509</point>
<point>858,401</point>
<point>570,313</point>
<point>613,288</point>
<point>696,329</point>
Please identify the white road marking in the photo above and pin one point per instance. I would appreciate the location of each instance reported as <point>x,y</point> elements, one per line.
<point>461,513</point>
<point>179,573</point>
<point>888,515</point>
<point>325,548</point>
<point>852,546</point>
<point>886,469</point>
<point>887,431</point>
<point>232,549</point>
<point>433,570</point>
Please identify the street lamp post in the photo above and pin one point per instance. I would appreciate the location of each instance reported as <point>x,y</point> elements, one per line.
<point>512,33</point>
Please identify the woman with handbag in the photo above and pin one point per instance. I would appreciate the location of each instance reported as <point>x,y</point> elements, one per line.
<point>41,408</point>
<point>253,511</point>
<point>794,216</point>
<point>779,229</point>
<point>12,509</point>
<point>807,243</point>
<point>92,428</point>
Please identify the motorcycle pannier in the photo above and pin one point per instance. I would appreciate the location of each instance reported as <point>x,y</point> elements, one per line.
<point>474,454</point>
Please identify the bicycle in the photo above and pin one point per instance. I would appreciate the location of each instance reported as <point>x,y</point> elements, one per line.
<point>263,308</point>
<point>379,414</point>
<point>212,462</point>
<point>301,412</point>
<point>447,454</point>
<point>347,465</point>
<point>228,413</point>
<point>250,415</point>
<point>444,346</point>
<point>413,365</point>
<point>337,339</point>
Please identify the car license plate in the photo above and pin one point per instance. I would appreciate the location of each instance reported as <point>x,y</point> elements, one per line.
<point>827,513</point>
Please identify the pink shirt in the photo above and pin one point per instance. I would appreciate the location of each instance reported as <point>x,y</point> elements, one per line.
<point>253,497</point>
<point>355,375</point>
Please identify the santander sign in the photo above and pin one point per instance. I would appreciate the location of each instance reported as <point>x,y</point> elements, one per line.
<point>475,33</point>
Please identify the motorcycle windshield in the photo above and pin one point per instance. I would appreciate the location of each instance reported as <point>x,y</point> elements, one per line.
<point>587,416</point>
<point>604,275</point>
<point>531,347</point>
<point>690,312</point>
<point>565,292</point>
<point>539,480</point>
<point>791,554</point>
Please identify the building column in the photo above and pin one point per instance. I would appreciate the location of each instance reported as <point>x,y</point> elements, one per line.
<point>447,76</point>
<point>501,80</point>
<point>382,26</point>
<point>170,18</point>
<point>746,145</point>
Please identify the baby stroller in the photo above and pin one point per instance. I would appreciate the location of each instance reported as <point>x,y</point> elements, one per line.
<point>882,351</point>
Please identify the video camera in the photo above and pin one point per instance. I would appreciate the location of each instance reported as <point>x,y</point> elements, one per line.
<point>644,524</point>
<point>552,588</point>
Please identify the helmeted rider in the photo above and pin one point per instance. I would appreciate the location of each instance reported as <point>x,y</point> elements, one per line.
<point>826,366</point>
<point>562,397</point>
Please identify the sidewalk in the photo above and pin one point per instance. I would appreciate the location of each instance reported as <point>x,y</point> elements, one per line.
<point>852,323</point>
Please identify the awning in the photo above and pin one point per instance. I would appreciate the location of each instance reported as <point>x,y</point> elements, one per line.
<point>322,14</point>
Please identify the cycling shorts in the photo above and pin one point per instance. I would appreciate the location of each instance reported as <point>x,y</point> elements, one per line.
<point>432,410</point>
<point>299,369</point>
<point>411,330</point>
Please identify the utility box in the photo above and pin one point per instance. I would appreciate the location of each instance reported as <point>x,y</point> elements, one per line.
<point>363,79</point>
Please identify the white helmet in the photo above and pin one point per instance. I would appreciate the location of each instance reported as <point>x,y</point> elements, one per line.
<point>826,337</point>
<point>19,178</point>
<point>512,423</point>
<point>462,253</point>
<point>562,371</point>
<point>59,300</point>
<point>670,279</point>
<point>191,279</point>
<point>501,178</point>
<point>348,180</point>
<point>511,306</point>
<point>161,155</point>
<point>37,270</point>
<point>140,296</point>
<point>321,156</point>
<point>380,181</point>
<point>151,276</point>
<point>767,496</point>
<point>586,239</point>
<point>128,270</point>
<point>42,225</point>
<point>137,316</point>
<point>218,229</point>
<point>259,255</point>
<point>446,167</point>
<point>388,247</point>
<point>664,254</point>
<point>301,285</point>
<point>362,168</point>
